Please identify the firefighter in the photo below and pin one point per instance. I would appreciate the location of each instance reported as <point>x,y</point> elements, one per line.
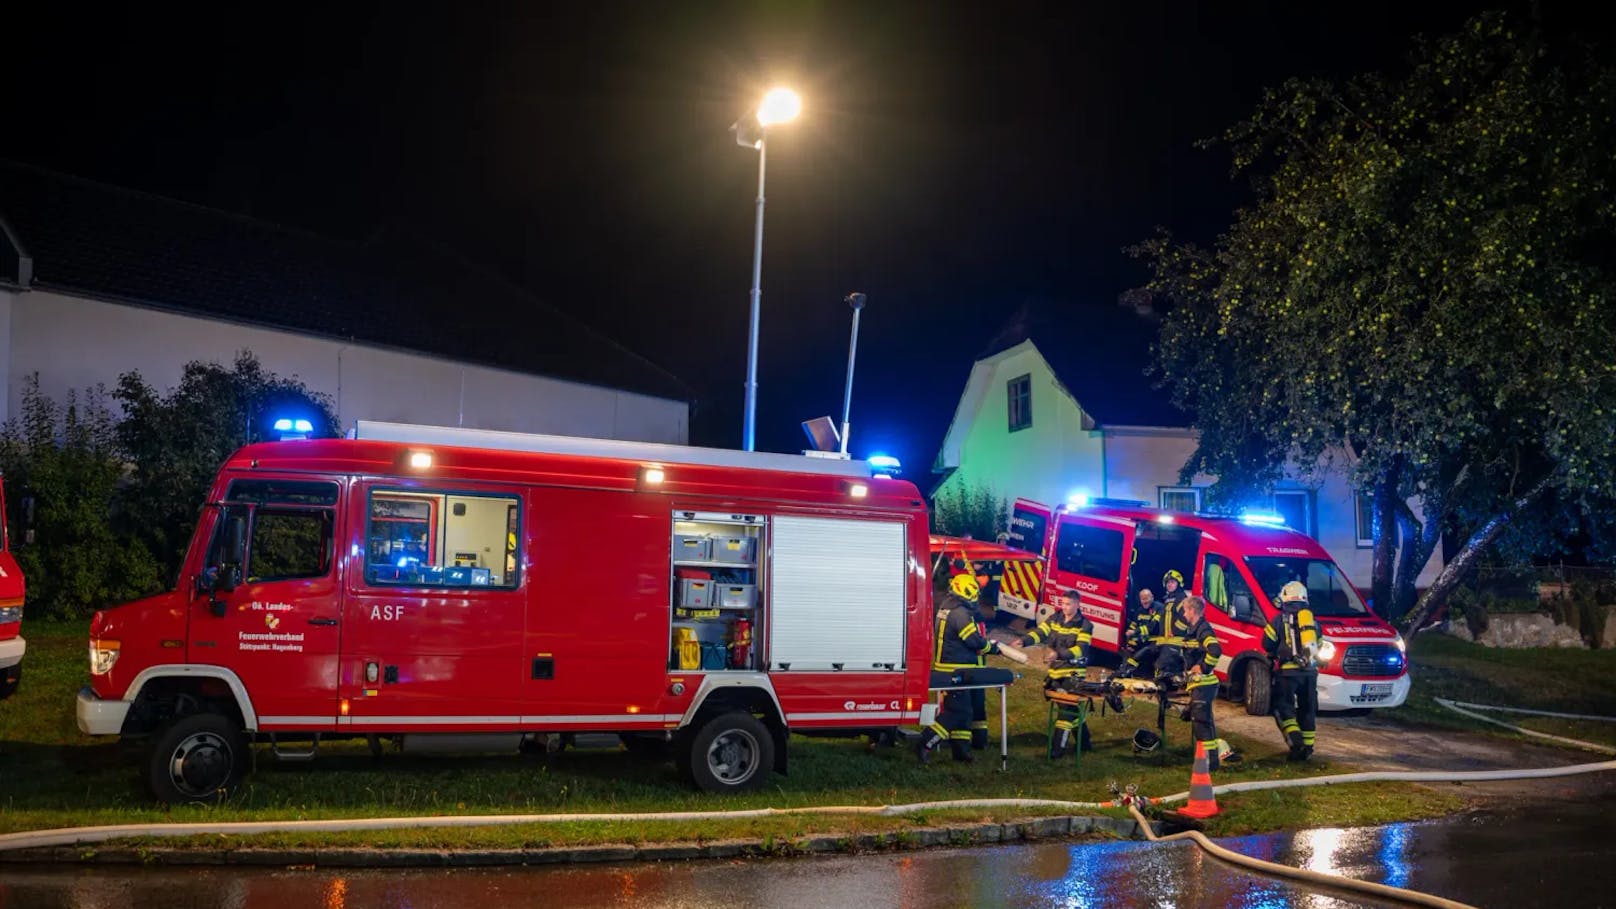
<point>1291,639</point>
<point>1201,652</point>
<point>961,645</point>
<point>1067,634</point>
<point>1159,624</point>
<point>1172,587</point>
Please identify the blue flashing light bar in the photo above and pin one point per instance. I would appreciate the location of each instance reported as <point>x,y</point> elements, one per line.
<point>1262,518</point>
<point>885,465</point>
<point>293,429</point>
<point>1078,499</point>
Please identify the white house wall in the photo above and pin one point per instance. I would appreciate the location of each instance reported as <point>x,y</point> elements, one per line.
<point>1046,460</point>
<point>75,343</point>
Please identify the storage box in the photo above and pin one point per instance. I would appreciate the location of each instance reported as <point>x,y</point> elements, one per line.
<point>694,594</point>
<point>687,648</point>
<point>737,596</point>
<point>733,549</point>
<point>692,547</point>
<point>714,655</point>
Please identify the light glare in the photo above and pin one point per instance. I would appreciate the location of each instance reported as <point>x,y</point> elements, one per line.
<point>780,105</point>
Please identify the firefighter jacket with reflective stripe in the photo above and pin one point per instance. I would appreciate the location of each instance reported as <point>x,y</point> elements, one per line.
<point>1201,648</point>
<point>1069,641</point>
<point>1163,624</point>
<point>962,642</point>
<point>1290,639</point>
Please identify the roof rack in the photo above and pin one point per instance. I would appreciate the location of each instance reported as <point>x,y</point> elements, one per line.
<point>644,452</point>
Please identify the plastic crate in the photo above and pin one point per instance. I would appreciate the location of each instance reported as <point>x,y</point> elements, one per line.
<point>695,594</point>
<point>734,549</point>
<point>692,547</point>
<point>737,596</point>
<point>714,655</point>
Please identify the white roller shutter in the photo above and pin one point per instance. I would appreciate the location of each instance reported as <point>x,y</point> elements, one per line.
<point>837,594</point>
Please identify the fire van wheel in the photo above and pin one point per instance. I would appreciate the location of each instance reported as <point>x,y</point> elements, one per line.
<point>1259,687</point>
<point>9,680</point>
<point>198,758</point>
<point>732,752</point>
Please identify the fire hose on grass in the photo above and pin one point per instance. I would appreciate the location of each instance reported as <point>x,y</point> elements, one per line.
<point>74,836</point>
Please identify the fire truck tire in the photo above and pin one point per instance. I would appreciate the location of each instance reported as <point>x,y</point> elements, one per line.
<point>732,752</point>
<point>198,757</point>
<point>9,680</point>
<point>1259,688</point>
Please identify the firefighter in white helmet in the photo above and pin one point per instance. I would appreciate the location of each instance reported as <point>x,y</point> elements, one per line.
<point>1292,639</point>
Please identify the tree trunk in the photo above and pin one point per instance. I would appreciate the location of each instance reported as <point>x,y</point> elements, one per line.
<point>1419,543</point>
<point>1385,531</point>
<point>1454,571</point>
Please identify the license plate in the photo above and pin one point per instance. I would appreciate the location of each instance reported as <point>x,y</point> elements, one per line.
<point>1377,689</point>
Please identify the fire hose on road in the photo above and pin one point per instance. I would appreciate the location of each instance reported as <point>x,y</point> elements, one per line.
<point>85,835</point>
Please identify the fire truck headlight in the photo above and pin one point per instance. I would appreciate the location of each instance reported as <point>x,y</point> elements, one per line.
<point>102,655</point>
<point>10,615</point>
<point>1327,651</point>
<point>1400,644</point>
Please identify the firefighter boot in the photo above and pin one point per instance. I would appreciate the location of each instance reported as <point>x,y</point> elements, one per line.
<point>1297,748</point>
<point>1063,742</point>
<point>962,750</point>
<point>927,743</point>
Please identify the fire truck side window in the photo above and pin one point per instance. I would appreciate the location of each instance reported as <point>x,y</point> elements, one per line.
<point>1092,552</point>
<point>289,544</point>
<point>441,539</point>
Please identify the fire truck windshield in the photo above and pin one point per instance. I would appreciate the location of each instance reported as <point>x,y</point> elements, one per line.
<point>1328,592</point>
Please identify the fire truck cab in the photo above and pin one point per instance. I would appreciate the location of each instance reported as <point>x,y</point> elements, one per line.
<point>12,591</point>
<point>455,590</point>
<point>1109,551</point>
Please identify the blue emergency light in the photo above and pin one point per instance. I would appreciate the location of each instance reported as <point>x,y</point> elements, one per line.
<point>1262,518</point>
<point>1078,499</point>
<point>293,429</point>
<point>885,465</point>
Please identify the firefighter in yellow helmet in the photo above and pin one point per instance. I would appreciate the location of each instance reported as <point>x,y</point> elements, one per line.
<point>961,646</point>
<point>1160,623</point>
<point>1291,639</point>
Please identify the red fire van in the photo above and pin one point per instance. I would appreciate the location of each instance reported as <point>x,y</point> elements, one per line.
<point>12,645</point>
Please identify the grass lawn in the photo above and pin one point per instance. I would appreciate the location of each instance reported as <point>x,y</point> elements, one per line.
<point>56,777</point>
<point>1555,679</point>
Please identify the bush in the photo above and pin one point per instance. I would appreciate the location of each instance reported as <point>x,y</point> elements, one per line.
<point>63,461</point>
<point>974,512</point>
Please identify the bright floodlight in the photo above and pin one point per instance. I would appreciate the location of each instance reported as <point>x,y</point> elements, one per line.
<point>779,106</point>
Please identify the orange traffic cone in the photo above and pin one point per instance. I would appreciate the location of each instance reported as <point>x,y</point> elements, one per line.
<point>1203,803</point>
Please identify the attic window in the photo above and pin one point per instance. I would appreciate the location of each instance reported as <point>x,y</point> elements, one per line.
<point>1020,391</point>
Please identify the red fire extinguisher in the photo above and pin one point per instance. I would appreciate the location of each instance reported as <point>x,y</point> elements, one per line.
<point>740,643</point>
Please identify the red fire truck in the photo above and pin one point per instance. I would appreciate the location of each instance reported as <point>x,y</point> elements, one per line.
<point>1109,551</point>
<point>12,645</point>
<point>469,590</point>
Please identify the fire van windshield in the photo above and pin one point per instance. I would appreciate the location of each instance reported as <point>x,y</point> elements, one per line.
<point>1328,593</point>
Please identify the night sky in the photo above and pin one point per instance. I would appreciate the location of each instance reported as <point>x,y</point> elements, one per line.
<point>959,163</point>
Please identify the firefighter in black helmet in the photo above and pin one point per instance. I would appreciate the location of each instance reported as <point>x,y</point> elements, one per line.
<point>1291,639</point>
<point>1067,634</point>
<point>962,644</point>
<point>1160,623</point>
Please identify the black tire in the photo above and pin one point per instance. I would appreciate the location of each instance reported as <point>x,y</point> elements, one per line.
<point>9,680</point>
<point>1259,688</point>
<point>730,753</point>
<point>197,758</point>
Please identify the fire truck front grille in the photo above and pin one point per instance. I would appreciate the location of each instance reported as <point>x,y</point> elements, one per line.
<point>1373,660</point>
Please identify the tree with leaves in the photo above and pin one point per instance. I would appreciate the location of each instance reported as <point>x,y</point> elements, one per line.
<point>63,472</point>
<point>176,441</point>
<point>974,511</point>
<point>1422,295</point>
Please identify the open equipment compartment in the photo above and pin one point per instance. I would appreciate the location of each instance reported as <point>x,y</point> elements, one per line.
<point>715,591</point>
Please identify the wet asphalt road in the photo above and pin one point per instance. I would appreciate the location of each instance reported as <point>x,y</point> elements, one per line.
<point>1560,854</point>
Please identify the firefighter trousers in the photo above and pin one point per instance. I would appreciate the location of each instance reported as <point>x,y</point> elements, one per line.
<point>1296,706</point>
<point>1202,724</point>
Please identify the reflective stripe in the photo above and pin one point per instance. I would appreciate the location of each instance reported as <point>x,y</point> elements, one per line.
<point>847,715</point>
<point>297,720</point>
<point>592,719</point>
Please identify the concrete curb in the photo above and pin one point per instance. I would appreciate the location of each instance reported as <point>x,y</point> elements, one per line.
<point>818,844</point>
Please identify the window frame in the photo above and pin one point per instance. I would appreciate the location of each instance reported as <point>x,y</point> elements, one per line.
<point>328,549</point>
<point>1364,507</point>
<point>1019,405</point>
<point>440,525</point>
<point>1163,491</point>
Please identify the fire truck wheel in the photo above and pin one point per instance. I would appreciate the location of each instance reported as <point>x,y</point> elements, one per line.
<point>9,680</point>
<point>197,758</point>
<point>732,752</point>
<point>1259,687</point>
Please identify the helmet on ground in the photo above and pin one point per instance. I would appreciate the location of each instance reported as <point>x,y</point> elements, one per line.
<point>1294,592</point>
<point>1224,749</point>
<point>965,587</point>
<point>1145,741</point>
<point>1173,575</point>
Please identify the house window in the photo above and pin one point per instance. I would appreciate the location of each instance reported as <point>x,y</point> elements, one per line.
<point>441,539</point>
<point>1296,507</point>
<point>1366,520</point>
<point>1020,390</point>
<point>1179,498</point>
